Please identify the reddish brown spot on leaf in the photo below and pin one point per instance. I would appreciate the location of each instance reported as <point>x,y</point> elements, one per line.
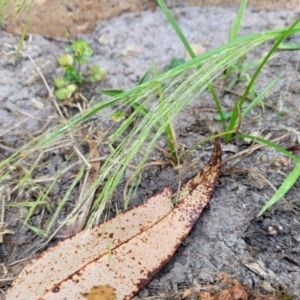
<point>102,292</point>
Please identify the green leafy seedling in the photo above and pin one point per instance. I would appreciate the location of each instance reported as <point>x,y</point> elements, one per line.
<point>77,53</point>
<point>118,116</point>
<point>174,62</point>
<point>226,114</point>
<point>96,73</point>
<point>66,60</point>
<point>81,51</point>
<point>61,82</point>
<point>65,92</point>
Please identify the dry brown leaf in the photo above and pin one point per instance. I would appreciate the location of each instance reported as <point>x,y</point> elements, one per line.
<point>186,293</point>
<point>230,289</point>
<point>225,295</point>
<point>238,291</point>
<point>223,276</point>
<point>206,296</point>
<point>114,260</point>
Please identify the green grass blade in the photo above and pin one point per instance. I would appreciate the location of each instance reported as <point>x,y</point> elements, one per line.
<point>283,189</point>
<point>266,58</point>
<point>259,97</point>
<point>204,140</point>
<point>240,103</point>
<point>289,180</point>
<point>270,144</point>
<point>42,199</point>
<point>191,53</point>
<point>142,109</point>
<point>112,93</point>
<point>145,77</point>
<point>219,108</point>
<point>289,46</point>
<point>168,128</point>
<point>176,28</point>
<point>232,122</point>
<point>36,230</point>
<point>232,82</point>
<point>23,6</point>
<point>234,32</point>
<point>28,172</point>
<point>118,92</point>
<point>251,65</point>
<point>4,5</point>
<point>22,38</point>
<point>63,201</point>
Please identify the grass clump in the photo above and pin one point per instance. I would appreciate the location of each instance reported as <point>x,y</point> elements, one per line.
<point>154,103</point>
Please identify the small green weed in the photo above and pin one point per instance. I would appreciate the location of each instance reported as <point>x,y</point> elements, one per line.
<point>226,115</point>
<point>77,53</point>
<point>174,62</point>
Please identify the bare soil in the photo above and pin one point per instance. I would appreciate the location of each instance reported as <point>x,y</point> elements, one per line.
<point>262,253</point>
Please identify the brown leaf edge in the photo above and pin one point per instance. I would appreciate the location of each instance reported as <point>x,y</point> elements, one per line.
<point>128,266</point>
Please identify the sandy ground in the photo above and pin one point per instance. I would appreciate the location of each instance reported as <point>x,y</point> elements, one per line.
<point>228,237</point>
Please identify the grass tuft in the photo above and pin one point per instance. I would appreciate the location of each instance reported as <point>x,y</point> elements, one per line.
<point>151,117</point>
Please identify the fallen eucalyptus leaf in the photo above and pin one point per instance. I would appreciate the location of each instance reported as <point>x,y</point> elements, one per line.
<point>115,259</point>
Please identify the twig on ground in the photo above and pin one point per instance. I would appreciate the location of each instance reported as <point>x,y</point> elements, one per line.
<point>252,148</point>
<point>3,230</point>
<point>271,185</point>
<point>221,87</point>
